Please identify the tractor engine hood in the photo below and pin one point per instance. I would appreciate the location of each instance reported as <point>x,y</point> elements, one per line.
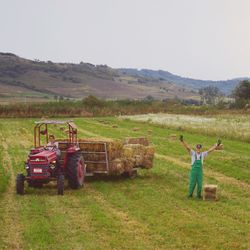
<point>44,156</point>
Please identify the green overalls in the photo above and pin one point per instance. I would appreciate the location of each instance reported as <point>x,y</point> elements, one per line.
<point>196,175</point>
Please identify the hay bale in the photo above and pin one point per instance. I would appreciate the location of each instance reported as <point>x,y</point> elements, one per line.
<point>136,140</point>
<point>116,167</point>
<point>210,192</point>
<point>210,188</point>
<point>173,137</point>
<point>136,129</point>
<point>148,162</point>
<point>150,150</point>
<point>129,164</point>
<point>122,157</point>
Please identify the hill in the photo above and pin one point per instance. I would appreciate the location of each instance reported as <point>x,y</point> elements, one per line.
<point>22,79</point>
<point>225,86</point>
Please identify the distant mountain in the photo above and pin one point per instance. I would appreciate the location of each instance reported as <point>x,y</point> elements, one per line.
<point>225,86</point>
<point>34,80</point>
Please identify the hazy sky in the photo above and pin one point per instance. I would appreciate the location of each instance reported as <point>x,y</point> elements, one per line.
<point>206,39</point>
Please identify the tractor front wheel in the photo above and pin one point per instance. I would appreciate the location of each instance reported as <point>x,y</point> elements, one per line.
<point>20,184</point>
<point>76,170</point>
<point>60,184</point>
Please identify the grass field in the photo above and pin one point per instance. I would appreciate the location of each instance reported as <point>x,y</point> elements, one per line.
<point>149,212</point>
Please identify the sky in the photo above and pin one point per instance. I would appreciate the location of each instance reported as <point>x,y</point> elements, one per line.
<point>202,39</point>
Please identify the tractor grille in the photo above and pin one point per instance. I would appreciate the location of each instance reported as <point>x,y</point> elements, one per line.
<point>38,170</point>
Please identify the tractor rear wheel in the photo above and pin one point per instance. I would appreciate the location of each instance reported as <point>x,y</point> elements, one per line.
<point>20,184</point>
<point>60,184</point>
<point>75,170</point>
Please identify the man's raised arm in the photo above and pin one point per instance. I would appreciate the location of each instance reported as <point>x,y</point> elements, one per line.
<point>185,144</point>
<point>215,146</point>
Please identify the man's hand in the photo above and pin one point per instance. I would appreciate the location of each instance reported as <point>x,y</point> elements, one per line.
<point>181,138</point>
<point>218,142</point>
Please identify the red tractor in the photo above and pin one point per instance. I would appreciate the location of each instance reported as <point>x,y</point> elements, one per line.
<point>45,164</point>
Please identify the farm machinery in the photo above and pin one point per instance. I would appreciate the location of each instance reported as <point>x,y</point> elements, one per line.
<point>74,159</point>
<point>44,165</point>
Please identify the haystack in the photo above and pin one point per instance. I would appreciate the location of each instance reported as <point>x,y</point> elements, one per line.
<point>210,192</point>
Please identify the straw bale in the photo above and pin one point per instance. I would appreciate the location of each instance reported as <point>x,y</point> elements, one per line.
<point>148,161</point>
<point>173,137</point>
<point>116,167</point>
<point>136,140</point>
<point>149,150</point>
<point>136,129</point>
<point>210,192</point>
<point>129,164</point>
<point>210,188</point>
<point>122,157</point>
<point>133,149</point>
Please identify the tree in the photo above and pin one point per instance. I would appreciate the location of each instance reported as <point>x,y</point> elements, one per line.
<point>149,98</point>
<point>92,101</point>
<point>242,90</point>
<point>209,94</point>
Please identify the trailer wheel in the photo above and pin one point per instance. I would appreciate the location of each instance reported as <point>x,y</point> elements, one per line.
<point>60,184</point>
<point>131,174</point>
<point>75,170</point>
<point>20,184</point>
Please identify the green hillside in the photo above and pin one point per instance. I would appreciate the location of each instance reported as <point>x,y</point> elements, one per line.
<point>28,80</point>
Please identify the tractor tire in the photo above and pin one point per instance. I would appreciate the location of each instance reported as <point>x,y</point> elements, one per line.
<point>60,184</point>
<point>75,170</point>
<point>20,184</point>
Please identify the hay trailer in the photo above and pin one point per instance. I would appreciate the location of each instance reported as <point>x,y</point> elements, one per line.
<point>81,157</point>
<point>44,163</point>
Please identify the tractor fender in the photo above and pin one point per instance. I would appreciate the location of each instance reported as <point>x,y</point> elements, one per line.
<point>73,149</point>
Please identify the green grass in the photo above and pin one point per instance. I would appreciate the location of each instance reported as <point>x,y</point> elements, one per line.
<point>149,212</point>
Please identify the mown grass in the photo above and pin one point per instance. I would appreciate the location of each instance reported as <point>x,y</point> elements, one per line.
<point>149,212</point>
<point>225,126</point>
